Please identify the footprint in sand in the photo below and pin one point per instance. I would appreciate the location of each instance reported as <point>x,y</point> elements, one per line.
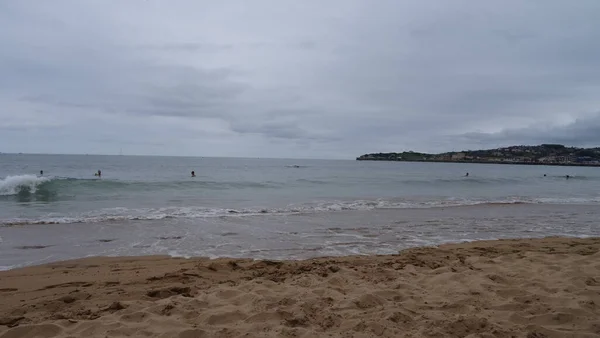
<point>38,331</point>
<point>195,333</point>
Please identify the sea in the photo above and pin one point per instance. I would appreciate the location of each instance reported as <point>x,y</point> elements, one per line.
<point>276,208</point>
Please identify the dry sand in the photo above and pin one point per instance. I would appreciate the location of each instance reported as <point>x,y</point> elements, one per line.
<point>511,288</point>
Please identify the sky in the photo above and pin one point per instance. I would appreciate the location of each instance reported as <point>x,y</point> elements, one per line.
<point>296,79</point>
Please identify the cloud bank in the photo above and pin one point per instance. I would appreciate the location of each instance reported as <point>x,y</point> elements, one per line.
<point>296,79</point>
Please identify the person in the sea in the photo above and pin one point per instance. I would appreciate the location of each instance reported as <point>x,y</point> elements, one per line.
<point>568,176</point>
<point>99,173</point>
<point>467,175</point>
<point>193,173</point>
<point>41,173</point>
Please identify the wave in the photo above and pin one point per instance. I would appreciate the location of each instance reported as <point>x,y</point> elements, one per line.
<point>150,214</point>
<point>464,181</point>
<point>30,187</point>
<point>15,185</point>
<point>577,178</point>
<point>489,181</point>
<point>45,186</point>
<point>311,181</point>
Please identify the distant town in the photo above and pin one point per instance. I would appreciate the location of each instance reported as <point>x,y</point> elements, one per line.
<point>545,154</point>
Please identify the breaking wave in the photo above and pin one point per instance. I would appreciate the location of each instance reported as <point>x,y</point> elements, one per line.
<point>149,214</point>
<point>21,184</point>
<point>50,186</point>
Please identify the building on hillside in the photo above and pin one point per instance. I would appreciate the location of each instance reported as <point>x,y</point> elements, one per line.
<point>458,156</point>
<point>547,159</point>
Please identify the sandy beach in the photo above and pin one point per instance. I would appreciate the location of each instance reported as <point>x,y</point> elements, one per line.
<point>510,288</point>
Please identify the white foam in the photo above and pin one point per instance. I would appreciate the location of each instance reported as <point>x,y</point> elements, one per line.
<point>149,214</point>
<point>12,185</point>
<point>568,200</point>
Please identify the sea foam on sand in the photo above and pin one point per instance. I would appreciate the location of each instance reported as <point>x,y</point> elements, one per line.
<point>510,288</point>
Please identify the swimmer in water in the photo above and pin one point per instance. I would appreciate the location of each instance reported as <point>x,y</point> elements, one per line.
<point>193,173</point>
<point>41,173</point>
<point>99,173</point>
<point>568,176</point>
<point>467,175</point>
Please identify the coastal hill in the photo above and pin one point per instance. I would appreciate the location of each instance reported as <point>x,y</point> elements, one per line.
<point>545,154</point>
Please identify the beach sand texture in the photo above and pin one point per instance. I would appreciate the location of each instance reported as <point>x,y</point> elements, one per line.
<point>510,288</point>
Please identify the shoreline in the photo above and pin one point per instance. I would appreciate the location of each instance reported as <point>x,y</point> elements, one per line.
<point>544,287</point>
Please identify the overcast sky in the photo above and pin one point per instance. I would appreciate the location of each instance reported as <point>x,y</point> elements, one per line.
<point>309,79</point>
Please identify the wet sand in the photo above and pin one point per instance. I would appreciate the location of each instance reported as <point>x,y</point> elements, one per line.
<point>509,288</point>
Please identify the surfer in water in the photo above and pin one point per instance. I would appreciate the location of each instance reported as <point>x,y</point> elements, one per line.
<point>193,173</point>
<point>41,173</point>
<point>467,175</point>
<point>99,173</point>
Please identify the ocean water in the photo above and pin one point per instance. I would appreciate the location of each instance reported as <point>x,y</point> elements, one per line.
<point>276,208</point>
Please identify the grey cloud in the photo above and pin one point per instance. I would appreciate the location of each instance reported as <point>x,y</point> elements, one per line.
<point>164,91</point>
<point>582,132</point>
<point>276,130</point>
<point>280,130</point>
<point>187,47</point>
<point>210,99</point>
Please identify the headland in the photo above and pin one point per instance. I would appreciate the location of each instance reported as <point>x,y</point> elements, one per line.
<point>545,154</point>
